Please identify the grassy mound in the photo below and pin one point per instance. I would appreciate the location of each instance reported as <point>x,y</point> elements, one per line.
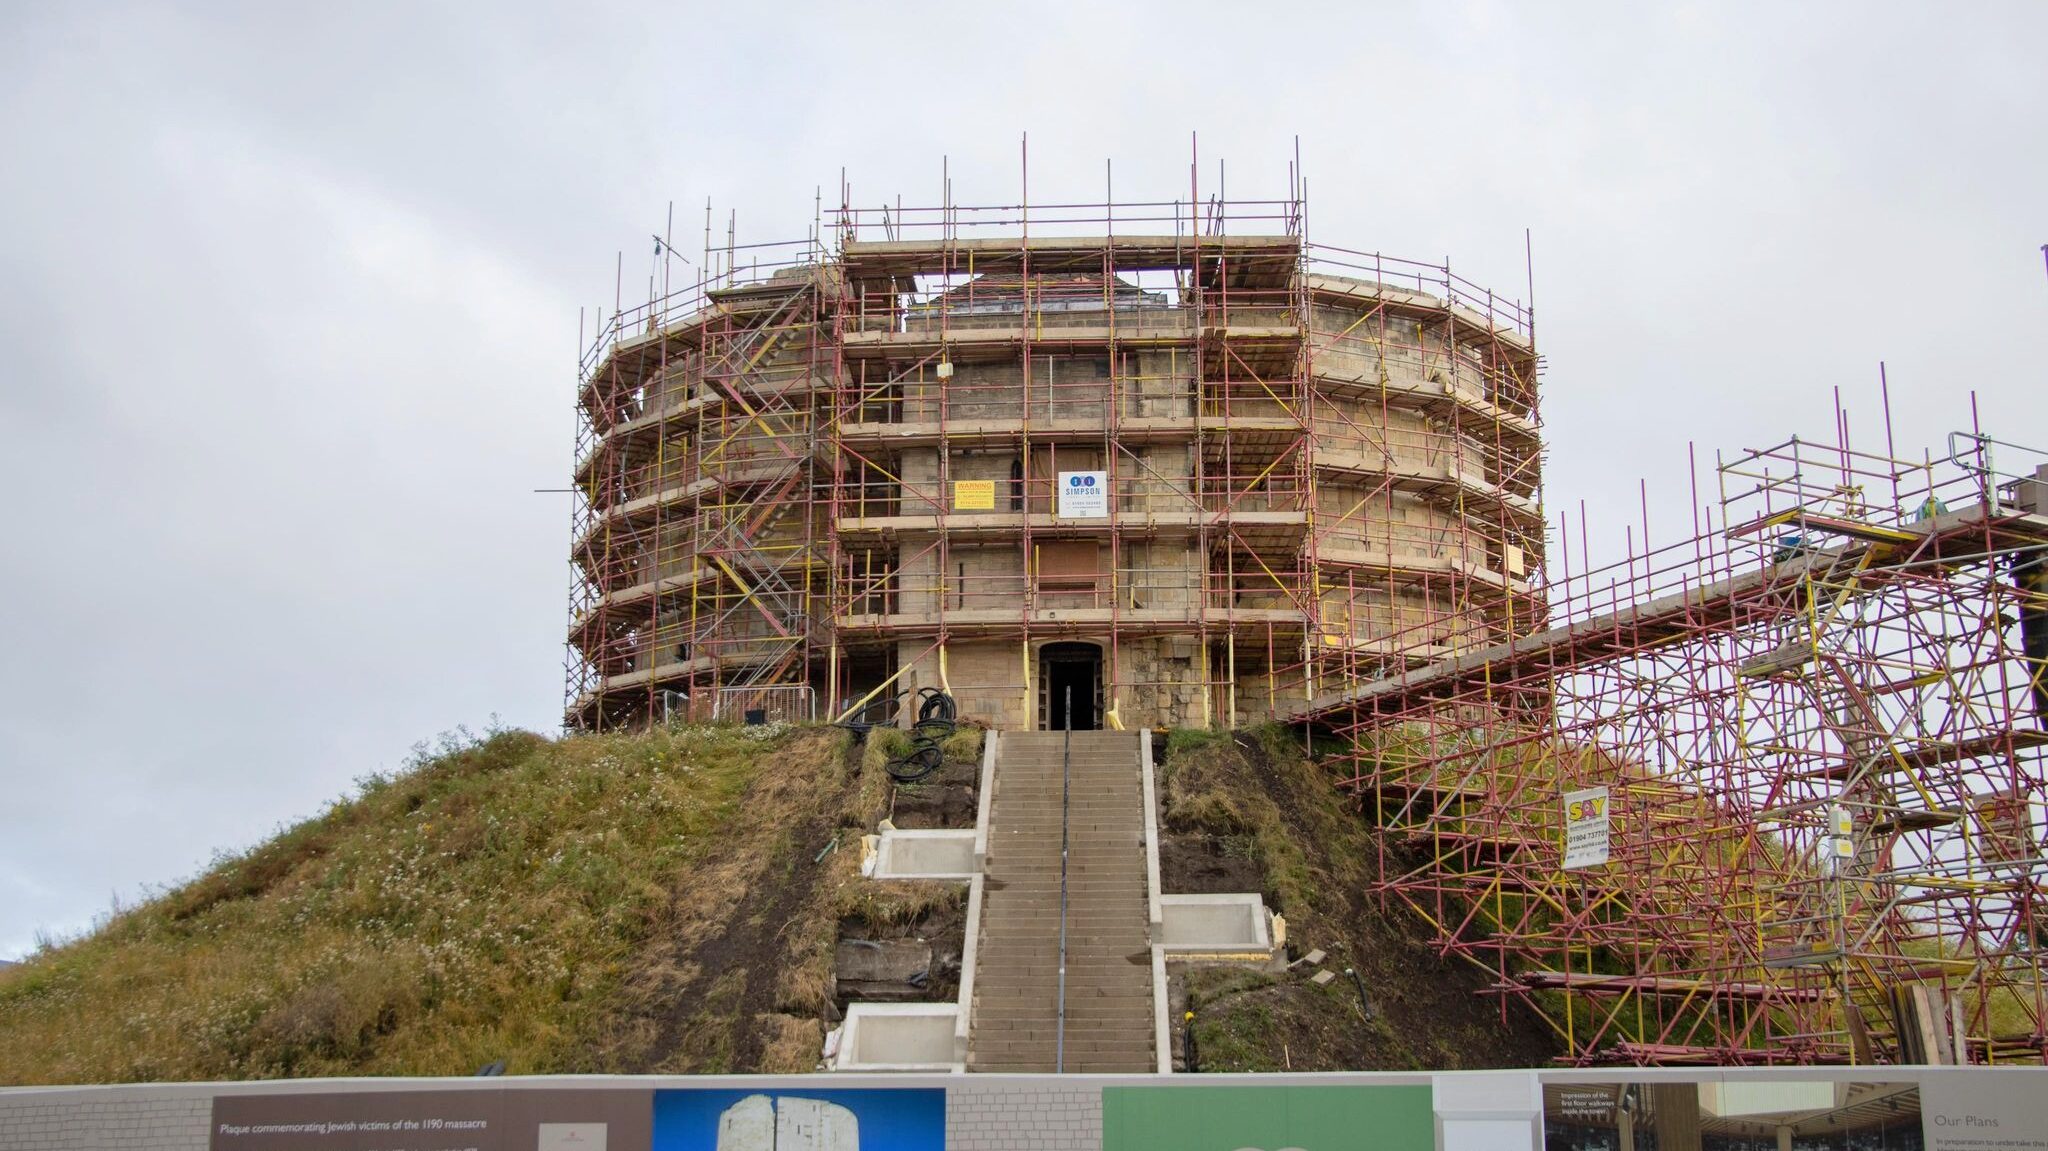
<point>562,905</point>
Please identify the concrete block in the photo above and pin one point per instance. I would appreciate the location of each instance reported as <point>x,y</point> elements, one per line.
<point>883,969</point>
<point>898,1037</point>
<point>1215,924</point>
<point>2033,493</point>
<point>937,853</point>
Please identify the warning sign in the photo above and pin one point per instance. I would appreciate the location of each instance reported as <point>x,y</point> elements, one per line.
<point>1084,496</point>
<point>974,495</point>
<point>1585,828</point>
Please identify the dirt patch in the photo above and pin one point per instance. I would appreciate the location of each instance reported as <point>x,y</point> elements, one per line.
<point>943,927</point>
<point>1206,865</point>
<point>949,798</point>
<point>694,998</point>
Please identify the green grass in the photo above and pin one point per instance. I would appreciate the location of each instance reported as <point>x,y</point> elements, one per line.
<point>485,903</point>
<point>1182,740</point>
<point>1234,1029</point>
<point>963,746</point>
<point>884,744</point>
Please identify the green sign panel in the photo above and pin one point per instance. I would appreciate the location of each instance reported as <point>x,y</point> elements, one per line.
<point>1267,1119</point>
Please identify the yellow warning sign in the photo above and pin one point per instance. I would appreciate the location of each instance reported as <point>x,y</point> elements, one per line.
<point>974,495</point>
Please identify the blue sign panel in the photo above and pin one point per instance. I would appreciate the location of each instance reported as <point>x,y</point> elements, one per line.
<point>912,1119</point>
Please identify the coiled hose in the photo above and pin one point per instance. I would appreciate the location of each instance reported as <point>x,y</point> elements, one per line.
<point>935,722</point>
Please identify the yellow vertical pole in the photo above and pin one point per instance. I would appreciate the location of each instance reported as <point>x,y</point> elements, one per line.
<point>1272,674</point>
<point>1230,671</point>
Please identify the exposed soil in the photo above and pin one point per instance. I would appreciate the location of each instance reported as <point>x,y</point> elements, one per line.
<point>1253,813</point>
<point>706,997</point>
<point>944,927</point>
<point>1194,864</point>
<point>742,977</point>
<point>947,799</point>
<point>950,798</point>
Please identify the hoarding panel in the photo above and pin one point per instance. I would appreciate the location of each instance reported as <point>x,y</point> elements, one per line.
<point>1200,1118</point>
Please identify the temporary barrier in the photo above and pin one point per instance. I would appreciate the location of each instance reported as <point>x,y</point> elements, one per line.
<point>1834,1109</point>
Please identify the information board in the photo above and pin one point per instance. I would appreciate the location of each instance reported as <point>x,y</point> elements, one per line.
<point>452,1119</point>
<point>1084,495</point>
<point>1585,828</point>
<point>1197,1117</point>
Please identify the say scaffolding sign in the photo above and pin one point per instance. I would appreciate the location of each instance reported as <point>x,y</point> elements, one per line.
<point>1084,495</point>
<point>1585,828</point>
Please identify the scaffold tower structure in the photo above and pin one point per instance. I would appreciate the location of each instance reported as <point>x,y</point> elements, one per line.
<point>831,472</point>
<point>1172,463</point>
<point>1815,732</point>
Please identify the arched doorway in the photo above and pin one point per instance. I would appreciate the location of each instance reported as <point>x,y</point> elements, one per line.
<point>1070,672</point>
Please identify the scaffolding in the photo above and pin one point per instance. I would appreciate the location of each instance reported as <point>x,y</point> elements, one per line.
<point>693,539</point>
<point>808,478</point>
<point>830,471</point>
<point>1813,735</point>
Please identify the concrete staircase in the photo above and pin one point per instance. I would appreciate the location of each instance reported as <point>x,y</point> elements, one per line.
<point>1109,1003</point>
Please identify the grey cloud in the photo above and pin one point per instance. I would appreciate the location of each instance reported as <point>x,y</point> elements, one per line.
<point>288,300</point>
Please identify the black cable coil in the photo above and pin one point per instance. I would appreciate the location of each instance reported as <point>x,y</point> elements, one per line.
<point>935,723</point>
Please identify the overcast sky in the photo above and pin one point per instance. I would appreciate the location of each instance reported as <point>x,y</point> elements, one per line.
<point>288,300</point>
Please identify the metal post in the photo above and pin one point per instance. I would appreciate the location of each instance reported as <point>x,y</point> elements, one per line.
<point>1059,1058</point>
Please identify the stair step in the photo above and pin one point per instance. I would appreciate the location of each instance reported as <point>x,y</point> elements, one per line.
<point>1084,977</point>
<point>1087,793</point>
<point>1033,1000</point>
<point>1076,1053</point>
<point>993,1042</point>
<point>1031,1031</point>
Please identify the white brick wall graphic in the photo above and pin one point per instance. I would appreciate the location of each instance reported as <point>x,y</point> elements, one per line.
<point>1034,1116</point>
<point>79,1121</point>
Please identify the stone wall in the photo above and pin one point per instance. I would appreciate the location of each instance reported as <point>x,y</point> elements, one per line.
<point>1155,679</point>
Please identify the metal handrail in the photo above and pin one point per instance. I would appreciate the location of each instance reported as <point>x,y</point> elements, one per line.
<point>1059,1057</point>
<point>1992,480</point>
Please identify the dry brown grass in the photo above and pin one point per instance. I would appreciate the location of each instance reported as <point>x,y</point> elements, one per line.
<point>1255,795</point>
<point>789,1045</point>
<point>895,902</point>
<point>805,980</point>
<point>1211,788</point>
<point>869,799</point>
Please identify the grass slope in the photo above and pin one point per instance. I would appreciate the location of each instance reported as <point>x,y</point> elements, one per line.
<point>1253,798</point>
<point>545,902</point>
<point>671,901</point>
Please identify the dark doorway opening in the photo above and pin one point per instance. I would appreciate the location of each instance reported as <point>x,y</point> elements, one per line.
<point>1070,672</point>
